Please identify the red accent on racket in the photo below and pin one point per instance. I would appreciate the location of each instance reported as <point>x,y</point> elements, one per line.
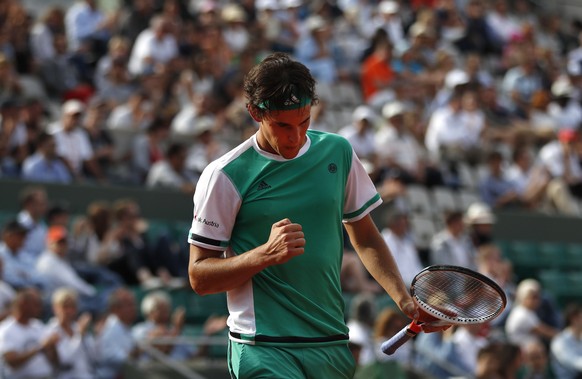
<point>450,295</point>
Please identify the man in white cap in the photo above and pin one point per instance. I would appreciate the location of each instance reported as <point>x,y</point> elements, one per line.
<point>479,221</point>
<point>73,144</point>
<point>389,19</point>
<point>399,151</point>
<point>361,133</point>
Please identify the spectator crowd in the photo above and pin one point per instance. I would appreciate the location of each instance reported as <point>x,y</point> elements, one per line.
<point>146,93</point>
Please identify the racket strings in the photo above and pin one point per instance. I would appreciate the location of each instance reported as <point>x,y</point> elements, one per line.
<point>457,296</point>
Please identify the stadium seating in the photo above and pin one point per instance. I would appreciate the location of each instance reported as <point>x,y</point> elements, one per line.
<point>419,201</point>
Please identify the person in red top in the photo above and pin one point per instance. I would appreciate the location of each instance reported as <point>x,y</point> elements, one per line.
<point>377,73</point>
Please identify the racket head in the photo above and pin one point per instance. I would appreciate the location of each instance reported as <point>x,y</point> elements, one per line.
<point>456,295</point>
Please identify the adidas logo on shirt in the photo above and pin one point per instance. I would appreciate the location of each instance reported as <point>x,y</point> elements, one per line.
<point>263,185</point>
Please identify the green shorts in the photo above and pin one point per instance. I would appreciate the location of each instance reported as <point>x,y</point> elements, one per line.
<point>275,362</point>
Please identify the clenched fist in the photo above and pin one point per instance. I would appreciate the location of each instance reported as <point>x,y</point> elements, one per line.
<point>285,242</point>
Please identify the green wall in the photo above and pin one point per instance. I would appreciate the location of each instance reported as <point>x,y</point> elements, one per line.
<point>155,204</point>
<point>176,206</point>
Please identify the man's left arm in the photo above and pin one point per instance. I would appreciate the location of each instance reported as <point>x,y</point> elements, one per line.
<point>378,260</point>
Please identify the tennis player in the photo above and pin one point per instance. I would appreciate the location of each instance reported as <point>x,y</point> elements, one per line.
<point>267,229</point>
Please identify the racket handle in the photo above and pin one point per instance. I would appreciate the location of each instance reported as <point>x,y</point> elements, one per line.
<point>400,338</point>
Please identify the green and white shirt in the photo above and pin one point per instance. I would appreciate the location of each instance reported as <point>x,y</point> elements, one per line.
<point>242,194</point>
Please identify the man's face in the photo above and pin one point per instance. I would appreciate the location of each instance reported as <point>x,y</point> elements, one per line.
<point>284,132</point>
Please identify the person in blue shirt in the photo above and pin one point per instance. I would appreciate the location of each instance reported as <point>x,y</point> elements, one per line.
<point>45,165</point>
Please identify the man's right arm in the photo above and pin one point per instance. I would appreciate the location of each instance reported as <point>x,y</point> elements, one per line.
<point>16,359</point>
<point>210,272</point>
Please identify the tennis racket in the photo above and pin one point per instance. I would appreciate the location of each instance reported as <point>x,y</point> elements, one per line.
<point>448,295</point>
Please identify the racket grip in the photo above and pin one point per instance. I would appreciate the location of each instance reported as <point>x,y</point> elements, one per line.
<point>400,338</point>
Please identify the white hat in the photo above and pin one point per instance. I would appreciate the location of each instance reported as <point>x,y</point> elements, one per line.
<point>266,4</point>
<point>233,13</point>
<point>455,78</point>
<point>73,106</point>
<point>202,124</point>
<point>363,112</point>
<point>393,109</point>
<point>562,86</point>
<point>479,213</point>
<point>314,23</point>
<point>388,7</point>
<point>291,3</point>
<point>419,29</point>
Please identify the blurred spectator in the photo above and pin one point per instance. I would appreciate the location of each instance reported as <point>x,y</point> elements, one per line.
<point>491,263</point>
<point>502,22</point>
<point>560,158</point>
<point>398,237</point>
<point>118,50</point>
<point>10,82</point>
<point>354,277</point>
<point>531,182</point>
<point>543,124</point>
<point>521,82</point>
<point>153,48</point>
<point>88,28</point>
<point>453,132</point>
<point>200,105</point>
<point>100,138</point>
<point>171,172</point>
<point>388,18</point>
<point>565,107</point>
<point>523,324</point>
<point>59,272</point>
<point>62,78</point>
<point>270,25</point>
<point>42,34</point>
<point>92,240</point>
<point>496,189</point>
<point>73,144</point>
<point>27,350</point>
<point>76,346</point>
<point>399,152</point>
<point>7,294</point>
<point>58,214</point>
<point>377,77</point>
<point>389,322</point>
<point>148,148</point>
<point>236,32</point>
<point>479,221</point>
<point>207,146</point>
<point>467,340</point>
<point>136,18</point>
<point>33,206</point>
<point>93,244</point>
<point>35,114</point>
<point>13,131</point>
<point>45,165</point>
<point>438,355</point>
<point>319,52</point>
<point>566,346</point>
<point>161,322</point>
<point>360,324</point>
<point>350,38</point>
<point>17,272</point>
<point>116,85</point>
<point>452,245</point>
<point>134,114</point>
<point>536,363</point>
<point>116,344</point>
<point>361,133</point>
<point>498,360</point>
<point>131,260</point>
